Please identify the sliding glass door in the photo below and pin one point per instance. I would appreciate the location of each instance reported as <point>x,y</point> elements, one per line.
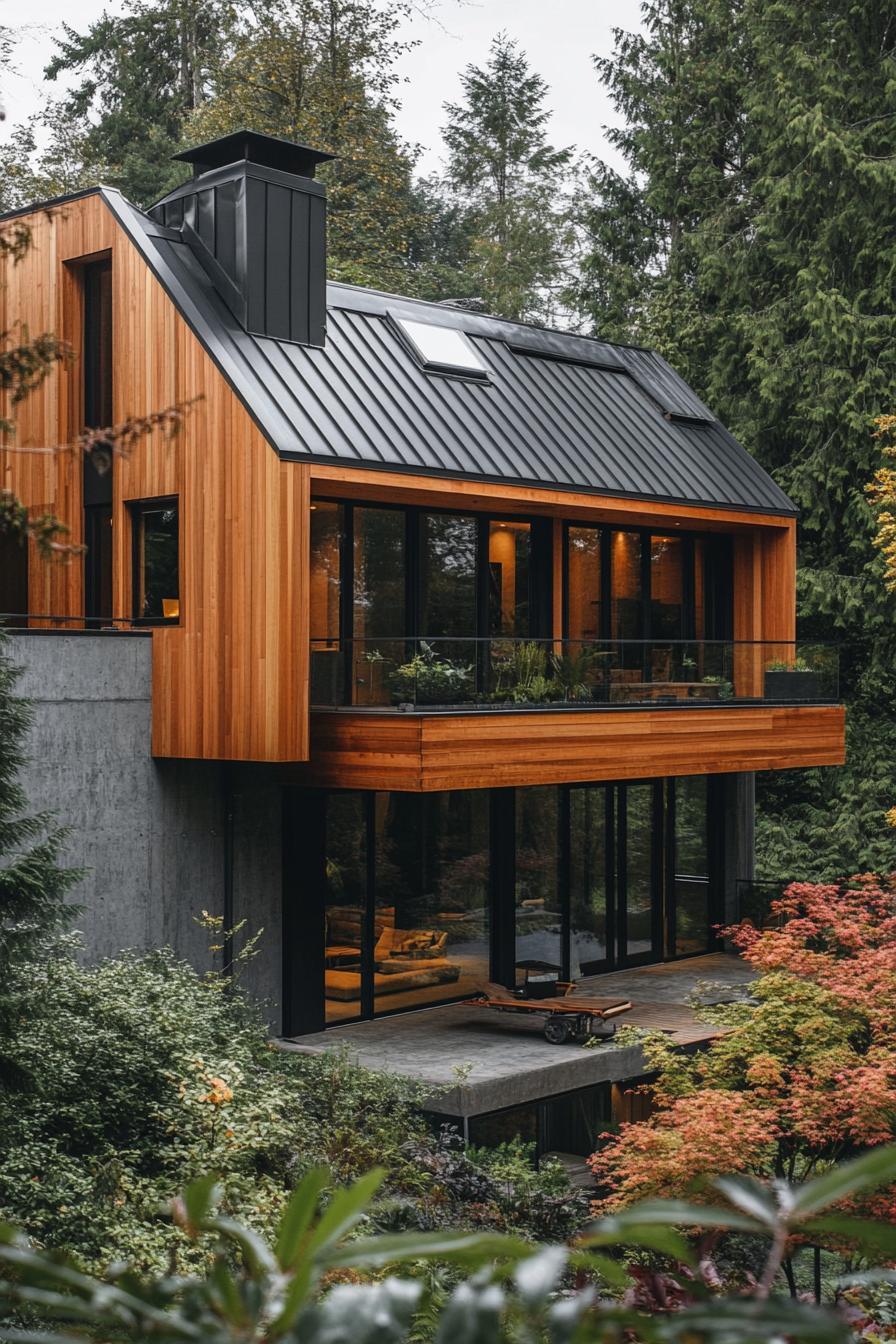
<point>614,891</point>
<point>399,900</point>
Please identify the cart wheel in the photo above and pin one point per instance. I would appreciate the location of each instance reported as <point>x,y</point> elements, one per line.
<point>603,1031</point>
<point>556,1030</point>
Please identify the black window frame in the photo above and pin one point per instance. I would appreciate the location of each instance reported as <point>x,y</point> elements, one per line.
<point>136,508</point>
<point>540,572</point>
<point>304,889</point>
<point>95,275</point>
<point>718,606</point>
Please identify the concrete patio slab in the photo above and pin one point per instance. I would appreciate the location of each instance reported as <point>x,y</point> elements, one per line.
<point>476,1061</point>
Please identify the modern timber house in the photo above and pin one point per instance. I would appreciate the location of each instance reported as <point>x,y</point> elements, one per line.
<point>460,640</point>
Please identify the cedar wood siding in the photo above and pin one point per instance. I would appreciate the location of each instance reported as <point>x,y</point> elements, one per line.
<point>230,682</point>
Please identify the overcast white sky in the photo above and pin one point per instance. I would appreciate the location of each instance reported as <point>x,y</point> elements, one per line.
<point>559,36</point>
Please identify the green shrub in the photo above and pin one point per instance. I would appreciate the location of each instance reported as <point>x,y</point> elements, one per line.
<point>144,1075</point>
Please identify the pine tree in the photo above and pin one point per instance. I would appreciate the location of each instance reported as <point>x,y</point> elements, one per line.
<point>142,73</point>
<point>33,885</point>
<point>752,241</point>
<point>323,72</point>
<point>510,179</point>
<point>763,186</point>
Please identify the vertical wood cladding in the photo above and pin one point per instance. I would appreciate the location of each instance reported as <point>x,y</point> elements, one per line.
<point>229,682</point>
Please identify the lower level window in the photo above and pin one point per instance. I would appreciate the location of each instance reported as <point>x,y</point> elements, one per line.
<point>156,560</point>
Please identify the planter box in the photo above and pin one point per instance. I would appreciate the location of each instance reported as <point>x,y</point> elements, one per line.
<point>793,686</point>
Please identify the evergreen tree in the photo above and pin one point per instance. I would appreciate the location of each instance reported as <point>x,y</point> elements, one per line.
<point>32,883</point>
<point>510,180</point>
<point>323,72</point>
<point>142,72</point>
<point>753,243</point>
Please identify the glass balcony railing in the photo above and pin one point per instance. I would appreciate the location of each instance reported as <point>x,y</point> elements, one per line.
<point>507,674</point>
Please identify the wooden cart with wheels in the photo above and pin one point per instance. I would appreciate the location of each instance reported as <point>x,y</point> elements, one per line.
<point>568,1017</point>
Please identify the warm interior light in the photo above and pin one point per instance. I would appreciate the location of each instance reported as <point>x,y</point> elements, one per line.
<point>170,608</point>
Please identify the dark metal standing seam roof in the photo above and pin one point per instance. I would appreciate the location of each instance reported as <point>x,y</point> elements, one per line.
<point>556,410</point>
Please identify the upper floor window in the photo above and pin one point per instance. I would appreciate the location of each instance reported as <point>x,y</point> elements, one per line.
<point>626,585</point>
<point>156,561</point>
<point>98,468</point>
<point>97,353</point>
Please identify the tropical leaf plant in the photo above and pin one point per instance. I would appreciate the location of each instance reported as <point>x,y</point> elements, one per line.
<point>515,1292</point>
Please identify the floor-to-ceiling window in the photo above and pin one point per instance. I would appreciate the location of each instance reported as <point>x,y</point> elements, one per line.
<point>379,617</point>
<point>537,878</point>
<point>637,879</point>
<point>425,898</point>
<point>98,468</point>
<point>509,545</point>
<point>692,894</point>
<point>327,532</point>
<point>590,878</point>
<point>345,911</point>
<point>432,864</point>
<point>584,584</point>
<point>421,606</point>
<point>656,609</point>
<point>448,551</point>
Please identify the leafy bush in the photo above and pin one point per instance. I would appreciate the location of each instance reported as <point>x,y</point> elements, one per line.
<point>804,1078</point>
<point>427,679</point>
<point>144,1075</point>
<point>499,1188</point>
<point>307,1284</point>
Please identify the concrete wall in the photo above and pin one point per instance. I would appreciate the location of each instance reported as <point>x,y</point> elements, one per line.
<point>150,833</point>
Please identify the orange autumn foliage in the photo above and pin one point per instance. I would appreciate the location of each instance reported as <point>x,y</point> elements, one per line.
<point>807,1076</point>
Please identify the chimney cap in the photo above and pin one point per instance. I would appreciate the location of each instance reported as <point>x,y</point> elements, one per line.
<point>272,151</point>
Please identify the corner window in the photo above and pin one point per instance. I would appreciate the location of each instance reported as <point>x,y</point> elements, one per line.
<point>156,577</point>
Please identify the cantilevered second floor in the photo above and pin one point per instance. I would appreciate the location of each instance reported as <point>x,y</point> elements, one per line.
<point>395,544</point>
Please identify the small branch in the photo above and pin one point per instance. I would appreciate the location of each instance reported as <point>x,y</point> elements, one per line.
<point>774,1262</point>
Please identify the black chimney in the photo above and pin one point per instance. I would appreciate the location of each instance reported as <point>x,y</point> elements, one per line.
<point>257,222</point>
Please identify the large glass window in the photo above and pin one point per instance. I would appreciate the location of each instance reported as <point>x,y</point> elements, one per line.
<point>539,917</point>
<point>626,621</point>
<point>579,878</point>
<point>345,905</point>
<point>589,894</point>
<point>584,591</point>
<point>98,466</point>
<point>379,624</point>
<point>432,897</point>
<point>692,932</point>
<point>326,553</point>
<point>636,878</point>
<point>508,579</point>
<point>666,588</point>
<point>448,577</point>
<point>327,525</point>
<point>156,560</point>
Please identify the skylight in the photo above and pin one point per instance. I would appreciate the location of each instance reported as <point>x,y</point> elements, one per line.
<point>442,349</point>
